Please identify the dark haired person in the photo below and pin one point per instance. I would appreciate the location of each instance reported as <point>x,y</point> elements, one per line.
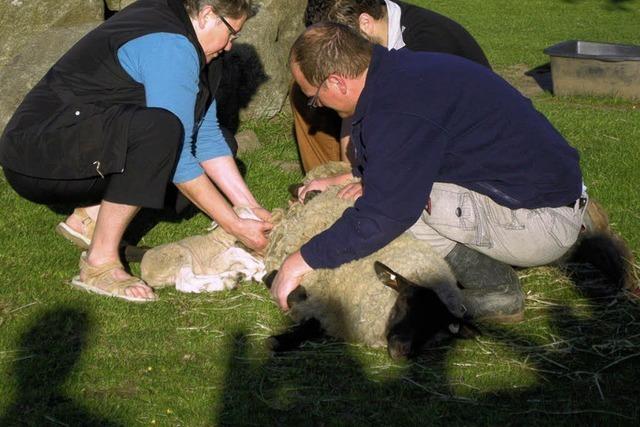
<point>392,24</point>
<point>126,110</point>
<point>447,150</point>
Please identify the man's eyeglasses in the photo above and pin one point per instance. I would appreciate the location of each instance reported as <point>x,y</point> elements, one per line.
<point>233,33</point>
<point>314,101</point>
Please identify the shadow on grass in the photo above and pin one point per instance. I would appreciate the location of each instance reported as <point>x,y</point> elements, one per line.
<point>588,365</point>
<point>584,365</point>
<point>542,76</point>
<point>49,350</point>
<point>325,384</point>
<point>609,4</point>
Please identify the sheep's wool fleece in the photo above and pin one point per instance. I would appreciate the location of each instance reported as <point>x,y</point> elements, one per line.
<point>350,301</point>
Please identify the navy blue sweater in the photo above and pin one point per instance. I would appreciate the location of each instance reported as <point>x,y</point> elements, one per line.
<point>430,117</point>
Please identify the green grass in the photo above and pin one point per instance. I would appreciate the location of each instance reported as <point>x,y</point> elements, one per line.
<point>67,357</point>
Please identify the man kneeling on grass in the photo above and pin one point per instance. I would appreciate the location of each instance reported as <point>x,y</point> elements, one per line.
<point>447,150</point>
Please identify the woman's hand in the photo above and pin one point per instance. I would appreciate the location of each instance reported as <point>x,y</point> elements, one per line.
<point>252,234</point>
<point>262,213</point>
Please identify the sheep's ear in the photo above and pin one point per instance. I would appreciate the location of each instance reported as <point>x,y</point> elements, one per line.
<point>389,277</point>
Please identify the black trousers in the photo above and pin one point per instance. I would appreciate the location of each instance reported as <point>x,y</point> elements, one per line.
<point>154,138</point>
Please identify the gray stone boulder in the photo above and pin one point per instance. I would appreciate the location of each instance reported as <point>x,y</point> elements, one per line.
<point>20,20</point>
<point>116,5</point>
<point>257,78</point>
<point>34,34</point>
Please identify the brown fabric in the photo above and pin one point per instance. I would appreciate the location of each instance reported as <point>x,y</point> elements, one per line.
<point>317,131</point>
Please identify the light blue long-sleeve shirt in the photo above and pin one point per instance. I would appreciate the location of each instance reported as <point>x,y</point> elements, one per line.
<point>168,67</point>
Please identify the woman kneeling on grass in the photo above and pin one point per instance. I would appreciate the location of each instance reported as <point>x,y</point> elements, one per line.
<point>127,109</point>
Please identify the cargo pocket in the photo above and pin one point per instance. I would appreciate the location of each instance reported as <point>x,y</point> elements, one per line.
<point>451,209</point>
<point>563,228</point>
<point>501,216</point>
<point>454,214</point>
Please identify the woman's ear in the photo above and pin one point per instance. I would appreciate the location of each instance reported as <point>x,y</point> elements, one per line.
<point>366,24</point>
<point>203,16</point>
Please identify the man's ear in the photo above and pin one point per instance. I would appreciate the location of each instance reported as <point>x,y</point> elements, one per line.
<point>338,81</point>
<point>366,24</point>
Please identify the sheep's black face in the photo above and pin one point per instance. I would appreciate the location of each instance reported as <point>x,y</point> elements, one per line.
<point>418,318</point>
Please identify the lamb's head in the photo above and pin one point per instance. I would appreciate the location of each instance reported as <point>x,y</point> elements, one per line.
<point>420,316</point>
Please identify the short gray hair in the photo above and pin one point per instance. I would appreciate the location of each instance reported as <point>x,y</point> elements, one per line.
<point>234,9</point>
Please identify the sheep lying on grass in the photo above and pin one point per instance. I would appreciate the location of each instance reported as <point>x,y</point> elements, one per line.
<point>356,302</point>
<point>203,254</point>
<point>419,303</point>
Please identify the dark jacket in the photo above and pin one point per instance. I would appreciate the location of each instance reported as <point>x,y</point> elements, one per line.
<point>73,124</point>
<point>426,30</point>
<point>427,117</point>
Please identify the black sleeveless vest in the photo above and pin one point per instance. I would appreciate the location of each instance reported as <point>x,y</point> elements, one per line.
<point>74,122</point>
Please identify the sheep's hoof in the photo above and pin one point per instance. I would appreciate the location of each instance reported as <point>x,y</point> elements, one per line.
<point>399,348</point>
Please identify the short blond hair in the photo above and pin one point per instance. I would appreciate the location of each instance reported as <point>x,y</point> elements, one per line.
<point>330,48</point>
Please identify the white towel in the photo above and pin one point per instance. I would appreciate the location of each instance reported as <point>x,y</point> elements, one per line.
<point>226,270</point>
<point>231,267</point>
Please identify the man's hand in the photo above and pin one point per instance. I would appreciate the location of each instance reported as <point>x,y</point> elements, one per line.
<point>252,233</point>
<point>322,184</point>
<point>288,278</point>
<point>351,191</point>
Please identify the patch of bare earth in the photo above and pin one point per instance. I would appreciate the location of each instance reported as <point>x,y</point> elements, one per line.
<point>530,82</point>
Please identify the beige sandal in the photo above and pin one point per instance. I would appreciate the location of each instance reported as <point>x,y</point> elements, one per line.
<point>82,240</point>
<point>100,280</point>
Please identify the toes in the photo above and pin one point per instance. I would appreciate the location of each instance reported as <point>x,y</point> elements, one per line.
<point>140,291</point>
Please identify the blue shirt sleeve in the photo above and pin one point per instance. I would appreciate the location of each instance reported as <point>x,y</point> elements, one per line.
<point>210,141</point>
<point>402,158</point>
<point>168,67</point>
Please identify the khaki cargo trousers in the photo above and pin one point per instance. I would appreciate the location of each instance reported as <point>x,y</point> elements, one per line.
<point>317,131</point>
<point>521,237</point>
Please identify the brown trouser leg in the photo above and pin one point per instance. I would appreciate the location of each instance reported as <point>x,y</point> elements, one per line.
<point>317,131</point>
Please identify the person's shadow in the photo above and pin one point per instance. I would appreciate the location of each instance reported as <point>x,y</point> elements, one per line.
<point>609,4</point>
<point>288,388</point>
<point>49,351</point>
<point>580,370</point>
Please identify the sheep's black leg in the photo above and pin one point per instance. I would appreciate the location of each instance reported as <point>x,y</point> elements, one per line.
<point>309,330</point>
<point>132,253</point>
